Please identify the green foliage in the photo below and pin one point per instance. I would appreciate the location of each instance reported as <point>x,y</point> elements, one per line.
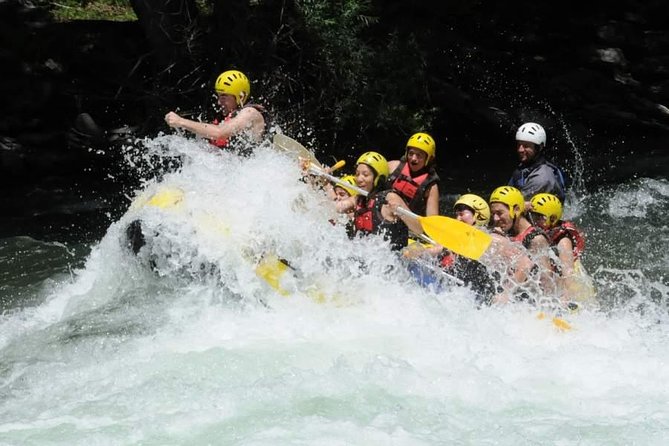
<point>372,81</point>
<point>337,28</point>
<point>66,10</point>
<point>404,99</point>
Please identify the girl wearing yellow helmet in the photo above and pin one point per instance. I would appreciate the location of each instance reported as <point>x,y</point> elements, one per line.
<point>374,213</point>
<point>414,178</point>
<point>233,89</point>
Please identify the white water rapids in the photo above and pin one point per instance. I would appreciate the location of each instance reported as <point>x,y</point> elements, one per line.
<point>200,351</point>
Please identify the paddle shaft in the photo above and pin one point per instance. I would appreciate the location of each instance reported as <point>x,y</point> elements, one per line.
<point>339,181</point>
<point>362,192</point>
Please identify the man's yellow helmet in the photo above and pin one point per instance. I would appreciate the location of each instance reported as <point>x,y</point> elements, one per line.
<point>509,196</point>
<point>234,83</point>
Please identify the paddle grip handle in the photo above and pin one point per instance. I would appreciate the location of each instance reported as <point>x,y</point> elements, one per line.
<point>338,165</point>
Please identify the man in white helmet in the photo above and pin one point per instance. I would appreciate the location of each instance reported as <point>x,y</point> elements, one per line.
<point>535,174</point>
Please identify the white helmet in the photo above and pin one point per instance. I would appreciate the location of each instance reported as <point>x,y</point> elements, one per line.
<point>531,132</point>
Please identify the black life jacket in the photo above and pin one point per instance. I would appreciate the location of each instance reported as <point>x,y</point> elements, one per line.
<point>472,273</point>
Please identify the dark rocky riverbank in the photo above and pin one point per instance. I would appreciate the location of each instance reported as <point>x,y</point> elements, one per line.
<point>597,79</point>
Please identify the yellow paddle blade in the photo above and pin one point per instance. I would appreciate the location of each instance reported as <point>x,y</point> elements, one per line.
<point>456,236</point>
<point>271,269</point>
<point>210,224</point>
<point>287,144</point>
<point>166,198</point>
<point>561,324</point>
<point>558,323</point>
<point>580,286</point>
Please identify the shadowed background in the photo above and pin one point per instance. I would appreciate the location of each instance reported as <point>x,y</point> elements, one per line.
<point>341,77</point>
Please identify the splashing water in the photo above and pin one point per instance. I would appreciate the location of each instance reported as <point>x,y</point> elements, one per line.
<point>184,344</point>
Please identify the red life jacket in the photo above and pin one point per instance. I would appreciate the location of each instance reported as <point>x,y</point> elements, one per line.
<point>568,229</point>
<point>366,217</point>
<point>447,261</point>
<point>221,142</point>
<point>413,189</point>
<point>528,235</point>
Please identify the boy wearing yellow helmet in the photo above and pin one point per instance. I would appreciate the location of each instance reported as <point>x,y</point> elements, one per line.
<point>568,243</point>
<point>413,177</point>
<point>474,211</point>
<point>240,119</point>
<point>507,207</point>
<point>546,213</point>
<point>342,192</point>
<point>375,212</point>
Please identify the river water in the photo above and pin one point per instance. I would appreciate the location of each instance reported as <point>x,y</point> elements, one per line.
<point>184,345</point>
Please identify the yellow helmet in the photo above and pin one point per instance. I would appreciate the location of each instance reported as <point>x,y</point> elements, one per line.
<point>350,179</point>
<point>478,205</point>
<point>377,162</point>
<point>234,83</point>
<point>509,196</point>
<point>424,142</point>
<point>549,206</point>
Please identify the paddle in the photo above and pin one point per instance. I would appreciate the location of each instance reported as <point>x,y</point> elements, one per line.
<point>338,165</point>
<point>457,236</point>
<point>424,238</point>
<point>288,144</point>
<point>450,233</point>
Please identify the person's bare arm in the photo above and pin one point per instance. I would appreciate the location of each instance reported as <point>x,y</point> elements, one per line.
<point>566,256</point>
<point>432,206</point>
<point>392,165</point>
<point>345,205</point>
<point>539,248</point>
<point>395,201</point>
<point>247,119</point>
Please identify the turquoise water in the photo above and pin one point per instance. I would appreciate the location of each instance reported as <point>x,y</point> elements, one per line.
<point>96,347</point>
